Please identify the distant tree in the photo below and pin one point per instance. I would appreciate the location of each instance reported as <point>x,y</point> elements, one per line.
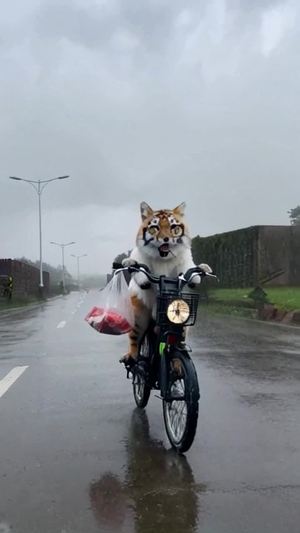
<point>294,215</point>
<point>55,272</point>
<point>26,261</point>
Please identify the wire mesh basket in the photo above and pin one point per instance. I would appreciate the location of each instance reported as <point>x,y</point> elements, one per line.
<point>188,309</point>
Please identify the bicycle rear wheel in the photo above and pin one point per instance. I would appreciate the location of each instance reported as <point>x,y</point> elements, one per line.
<point>181,407</point>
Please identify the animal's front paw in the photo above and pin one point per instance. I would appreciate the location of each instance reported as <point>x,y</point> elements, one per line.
<point>206,268</point>
<point>128,262</point>
<point>128,360</point>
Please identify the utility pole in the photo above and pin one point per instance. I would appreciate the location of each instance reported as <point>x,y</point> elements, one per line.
<point>78,257</point>
<point>39,186</point>
<point>63,245</point>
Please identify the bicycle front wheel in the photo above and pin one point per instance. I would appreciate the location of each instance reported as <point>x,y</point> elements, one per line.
<point>141,387</point>
<point>181,406</point>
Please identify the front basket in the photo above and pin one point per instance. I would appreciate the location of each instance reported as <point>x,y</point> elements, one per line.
<point>164,300</point>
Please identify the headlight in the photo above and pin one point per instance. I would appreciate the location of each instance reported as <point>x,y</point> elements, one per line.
<point>178,311</point>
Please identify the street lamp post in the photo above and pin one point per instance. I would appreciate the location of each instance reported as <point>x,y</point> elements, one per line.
<point>63,245</point>
<point>39,186</point>
<point>78,257</point>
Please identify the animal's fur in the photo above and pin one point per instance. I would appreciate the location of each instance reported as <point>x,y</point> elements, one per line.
<point>164,245</point>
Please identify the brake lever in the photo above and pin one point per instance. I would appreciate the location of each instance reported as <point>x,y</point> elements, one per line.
<point>202,274</point>
<point>211,275</point>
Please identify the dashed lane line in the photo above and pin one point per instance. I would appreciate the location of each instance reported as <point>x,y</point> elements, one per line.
<point>11,378</point>
<point>61,324</point>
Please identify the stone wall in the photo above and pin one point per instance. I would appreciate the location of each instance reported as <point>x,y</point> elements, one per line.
<point>294,278</point>
<point>274,253</point>
<point>250,256</point>
<point>26,278</point>
<point>232,256</point>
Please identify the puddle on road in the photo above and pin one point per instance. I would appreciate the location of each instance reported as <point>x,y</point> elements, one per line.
<point>158,492</point>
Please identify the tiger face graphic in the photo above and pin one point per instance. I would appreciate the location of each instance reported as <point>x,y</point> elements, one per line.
<point>163,234</point>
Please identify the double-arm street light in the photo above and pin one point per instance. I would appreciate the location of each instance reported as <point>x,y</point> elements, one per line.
<point>78,257</point>
<point>63,245</point>
<point>39,186</point>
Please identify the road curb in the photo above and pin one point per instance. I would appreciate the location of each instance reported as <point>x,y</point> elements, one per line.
<point>27,307</point>
<point>290,325</point>
<point>15,310</point>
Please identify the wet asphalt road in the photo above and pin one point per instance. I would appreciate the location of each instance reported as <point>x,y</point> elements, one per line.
<point>76,457</point>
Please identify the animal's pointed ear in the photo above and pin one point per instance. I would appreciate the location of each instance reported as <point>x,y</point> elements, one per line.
<point>179,210</point>
<point>146,210</point>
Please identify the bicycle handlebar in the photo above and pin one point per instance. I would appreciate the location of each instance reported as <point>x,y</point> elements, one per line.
<point>185,278</point>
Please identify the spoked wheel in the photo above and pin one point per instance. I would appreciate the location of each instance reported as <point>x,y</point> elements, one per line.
<point>181,407</point>
<point>141,388</point>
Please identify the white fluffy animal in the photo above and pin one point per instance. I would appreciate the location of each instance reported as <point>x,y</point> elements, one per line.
<point>164,245</point>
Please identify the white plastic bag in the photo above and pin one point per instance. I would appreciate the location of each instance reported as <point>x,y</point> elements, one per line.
<point>114,313</point>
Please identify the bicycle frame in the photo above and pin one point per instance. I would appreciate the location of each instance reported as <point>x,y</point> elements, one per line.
<point>166,337</point>
<point>164,363</point>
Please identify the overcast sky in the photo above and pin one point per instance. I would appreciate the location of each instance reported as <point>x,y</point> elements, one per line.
<point>155,100</point>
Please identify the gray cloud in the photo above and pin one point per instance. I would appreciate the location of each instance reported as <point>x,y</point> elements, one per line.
<point>154,100</point>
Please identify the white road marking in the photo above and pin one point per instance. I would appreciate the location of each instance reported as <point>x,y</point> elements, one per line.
<point>11,378</point>
<point>62,324</point>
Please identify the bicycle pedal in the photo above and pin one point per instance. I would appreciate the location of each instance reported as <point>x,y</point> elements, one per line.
<point>129,372</point>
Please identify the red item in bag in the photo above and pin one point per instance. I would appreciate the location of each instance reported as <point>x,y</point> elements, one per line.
<point>108,321</point>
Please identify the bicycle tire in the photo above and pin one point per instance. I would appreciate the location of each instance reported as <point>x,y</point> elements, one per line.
<point>182,439</point>
<point>141,387</point>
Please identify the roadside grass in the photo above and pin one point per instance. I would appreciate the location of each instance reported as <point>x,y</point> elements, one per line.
<point>6,305</point>
<point>284,298</point>
<point>228,309</point>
